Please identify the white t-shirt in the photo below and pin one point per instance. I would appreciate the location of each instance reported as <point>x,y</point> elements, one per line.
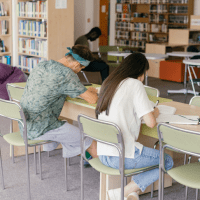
<point>129,104</point>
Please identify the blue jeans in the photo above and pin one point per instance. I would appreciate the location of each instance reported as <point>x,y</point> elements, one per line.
<point>148,157</point>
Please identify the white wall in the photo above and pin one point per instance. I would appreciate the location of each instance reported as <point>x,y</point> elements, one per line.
<point>196,7</point>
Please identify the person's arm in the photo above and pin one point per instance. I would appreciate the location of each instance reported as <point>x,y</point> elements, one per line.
<point>150,118</point>
<point>90,95</point>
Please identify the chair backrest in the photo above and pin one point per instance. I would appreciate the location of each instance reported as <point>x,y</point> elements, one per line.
<point>185,140</point>
<point>195,101</point>
<point>105,49</point>
<point>152,91</point>
<point>15,93</point>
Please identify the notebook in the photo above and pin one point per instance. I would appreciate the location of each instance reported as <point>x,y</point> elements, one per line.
<point>178,119</point>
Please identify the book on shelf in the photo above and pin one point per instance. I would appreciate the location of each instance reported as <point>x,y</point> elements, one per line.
<point>33,28</point>
<point>5,59</point>
<point>3,11</point>
<point>3,27</point>
<point>27,63</point>
<point>37,47</point>
<point>2,46</point>
<point>32,9</point>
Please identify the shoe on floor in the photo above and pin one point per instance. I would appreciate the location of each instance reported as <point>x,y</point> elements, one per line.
<point>115,194</point>
<point>133,196</point>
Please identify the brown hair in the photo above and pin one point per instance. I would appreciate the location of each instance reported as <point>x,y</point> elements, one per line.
<point>133,66</point>
<point>82,51</point>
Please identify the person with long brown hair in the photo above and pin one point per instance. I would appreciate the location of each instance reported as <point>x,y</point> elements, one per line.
<point>123,101</point>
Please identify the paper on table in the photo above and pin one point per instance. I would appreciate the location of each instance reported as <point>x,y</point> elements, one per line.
<point>178,119</point>
<point>163,109</point>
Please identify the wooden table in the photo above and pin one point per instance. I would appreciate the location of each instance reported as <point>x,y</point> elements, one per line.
<point>73,107</point>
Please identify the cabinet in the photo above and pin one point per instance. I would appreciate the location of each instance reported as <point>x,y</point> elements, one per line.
<point>6,31</point>
<point>44,31</point>
<point>145,21</point>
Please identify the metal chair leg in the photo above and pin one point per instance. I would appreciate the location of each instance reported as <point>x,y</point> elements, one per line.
<point>3,186</point>
<point>35,160</point>
<point>82,186</point>
<point>40,162</point>
<point>13,157</point>
<point>48,153</point>
<point>28,174</point>
<point>197,191</point>
<point>186,188</point>
<point>66,164</point>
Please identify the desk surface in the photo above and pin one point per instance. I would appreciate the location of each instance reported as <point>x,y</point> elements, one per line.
<point>192,62</point>
<point>183,54</point>
<point>149,56</point>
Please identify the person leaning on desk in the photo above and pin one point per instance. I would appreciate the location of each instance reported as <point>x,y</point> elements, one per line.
<point>123,101</point>
<point>47,87</point>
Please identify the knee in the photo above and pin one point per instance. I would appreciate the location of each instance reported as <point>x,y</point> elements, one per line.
<point>169,163</point>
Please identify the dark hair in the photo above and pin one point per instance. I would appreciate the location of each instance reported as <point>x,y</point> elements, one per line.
<point>95,29</point>
<point>82,51</point>
<point>133,66</point>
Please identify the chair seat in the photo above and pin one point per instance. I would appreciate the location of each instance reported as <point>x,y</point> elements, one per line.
<point>17,140</point>
<point>97,164</point>
<point>188,175</point>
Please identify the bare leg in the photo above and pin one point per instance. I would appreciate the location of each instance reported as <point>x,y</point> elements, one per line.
<point>92,150</point>
<point>131,187</point>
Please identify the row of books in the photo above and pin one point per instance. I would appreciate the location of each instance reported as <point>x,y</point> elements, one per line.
<point>157,18</point>
<point>5,59</point>
<point>139,36</point>
<point>156,38</point>
<point>123,34</point>
<point>3,27</point>
<point>123,17</point>
<point>158,9</point>
<point>152,1</point>
<point>158,28</point>
<point>130,43</point>
<point>32,9</point>
<point>27,63</point>
<point>132,26</point>
<point>33,28</point>
<point>178,19</point>
<point>2,46</point>
<point>3,11</point>
<point>30,46</point>
<point>125,8</point>
<point>178,9</point>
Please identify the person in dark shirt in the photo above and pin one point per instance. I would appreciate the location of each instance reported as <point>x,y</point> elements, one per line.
<point>98,65</point>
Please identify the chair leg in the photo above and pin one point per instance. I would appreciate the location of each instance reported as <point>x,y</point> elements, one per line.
<point>13,157</point>
<point>68,162</point>
<point>28,174</point>
<point>122,187</point>
<point>40,162</point>
<point>48,152</point>
<point>35,160</point>
<point>160,184</point>
<point>65,163</point>
<point>82,186</point>
<point>191,81</point>
<point>3,186</point>
<point>186,188</point>
<point>197,191</point>
<point>163,174</point>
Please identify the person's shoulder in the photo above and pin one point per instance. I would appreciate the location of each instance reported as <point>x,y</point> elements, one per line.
<point>133,82</point>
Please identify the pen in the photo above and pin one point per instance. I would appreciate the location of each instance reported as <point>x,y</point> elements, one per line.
<point>156,103</point>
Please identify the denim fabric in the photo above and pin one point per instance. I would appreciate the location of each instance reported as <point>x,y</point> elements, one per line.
<point>148,157</point>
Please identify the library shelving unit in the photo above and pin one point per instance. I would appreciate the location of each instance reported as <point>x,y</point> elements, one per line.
<point>145,21</point>
<point>44,31</point>
<point>6,30</point>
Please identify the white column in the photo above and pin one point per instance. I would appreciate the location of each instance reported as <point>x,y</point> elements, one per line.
<point>196,7</point>
<point>112,22</point>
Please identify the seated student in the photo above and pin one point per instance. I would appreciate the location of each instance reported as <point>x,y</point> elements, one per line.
<point>97,65</point>
<point>123,101</point>
<point>48,85</point>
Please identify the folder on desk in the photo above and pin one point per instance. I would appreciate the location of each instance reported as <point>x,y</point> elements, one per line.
<point>178,119</point>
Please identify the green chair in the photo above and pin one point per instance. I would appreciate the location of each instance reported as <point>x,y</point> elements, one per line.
<point>110,134</point>
<point>195,101</point>
<point>13,111</point>
<point>152,91</point>
<point>15,93</point>
<point>185,141</point>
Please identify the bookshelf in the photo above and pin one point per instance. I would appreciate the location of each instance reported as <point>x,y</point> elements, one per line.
<point>148,21</point>
<point>6,31</point>
<point>43,32</point>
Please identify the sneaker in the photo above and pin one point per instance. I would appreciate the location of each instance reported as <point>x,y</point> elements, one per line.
<point>133,196</point>
<point>115,194</point>
<point>86,163</point>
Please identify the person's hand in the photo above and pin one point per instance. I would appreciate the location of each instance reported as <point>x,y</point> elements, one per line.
<point>92,89</point>
<point>156,112</point>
